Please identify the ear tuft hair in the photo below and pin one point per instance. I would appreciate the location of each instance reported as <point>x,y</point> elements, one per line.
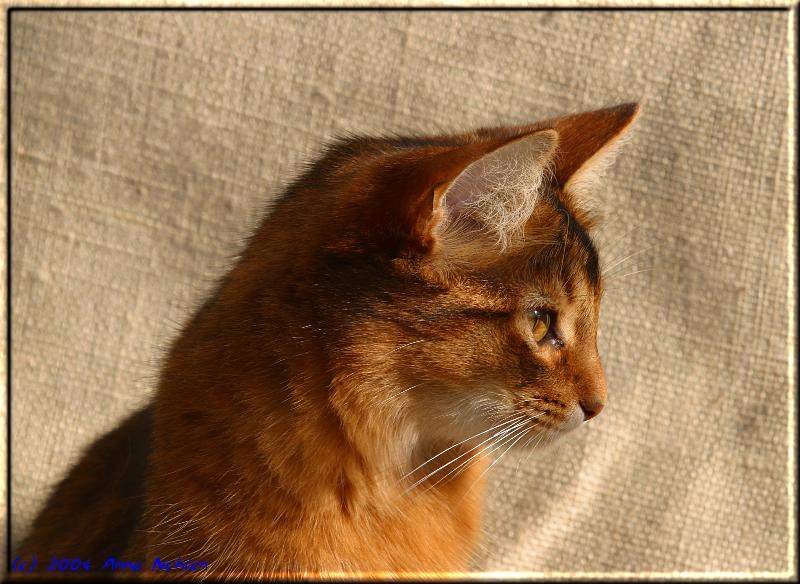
<point>499,191</point>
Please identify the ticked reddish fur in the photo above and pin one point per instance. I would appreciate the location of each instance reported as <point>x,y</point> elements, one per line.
<point>286,427</point>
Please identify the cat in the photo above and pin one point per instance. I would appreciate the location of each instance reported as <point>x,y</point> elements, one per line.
<point>409,308</point>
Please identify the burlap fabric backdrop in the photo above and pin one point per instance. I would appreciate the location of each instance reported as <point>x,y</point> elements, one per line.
<point>145,145</point>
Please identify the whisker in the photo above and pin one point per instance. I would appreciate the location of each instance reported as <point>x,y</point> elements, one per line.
<point>497,444</point>
<point>433,472</point>
<point>399,393</point>
<point>536,445</point>
<point>607,269</point>
<point>404,346</point>
<point>618,276</point>
<point>564,251</point>
<point>462,442</point>
<point>508,435</point>
<point>473,452</point>
<point>495,461</point>
<point>525,446</point>
<point>611,245</point>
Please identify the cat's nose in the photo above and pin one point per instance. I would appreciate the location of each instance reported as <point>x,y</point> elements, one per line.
<point>591,406</point>
<point>592,396</point>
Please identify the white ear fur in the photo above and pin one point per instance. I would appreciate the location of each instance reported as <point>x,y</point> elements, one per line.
<point>501,189</point>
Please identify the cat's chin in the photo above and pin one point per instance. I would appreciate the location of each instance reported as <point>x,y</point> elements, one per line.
<point>575,419</point>
<point>547,436</point>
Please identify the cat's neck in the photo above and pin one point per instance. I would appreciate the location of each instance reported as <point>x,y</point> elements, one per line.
<point>273,391</point>
<point>361,456</point>
<point>278,425</point>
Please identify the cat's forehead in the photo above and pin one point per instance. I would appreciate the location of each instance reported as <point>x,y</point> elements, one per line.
<point>557,255</point>
<point>557,275</point>
<point>571,227</point>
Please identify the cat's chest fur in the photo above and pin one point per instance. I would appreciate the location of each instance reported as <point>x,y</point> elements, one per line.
<point>424,530</point>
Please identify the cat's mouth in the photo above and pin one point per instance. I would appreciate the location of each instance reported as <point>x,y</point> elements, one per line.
<point>576,418</point>
<point>547,425</point>
<point>549,415</point>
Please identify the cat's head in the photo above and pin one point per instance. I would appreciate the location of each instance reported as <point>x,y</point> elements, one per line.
<point>454,281</point>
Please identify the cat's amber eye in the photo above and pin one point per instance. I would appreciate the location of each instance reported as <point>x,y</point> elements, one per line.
<point>540,324</point>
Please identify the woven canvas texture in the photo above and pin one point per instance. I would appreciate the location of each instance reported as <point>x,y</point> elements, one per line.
<point>145,145</point>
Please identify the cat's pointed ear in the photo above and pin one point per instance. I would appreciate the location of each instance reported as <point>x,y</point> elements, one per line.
<point>588,145</point>
<point>498,191</point>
